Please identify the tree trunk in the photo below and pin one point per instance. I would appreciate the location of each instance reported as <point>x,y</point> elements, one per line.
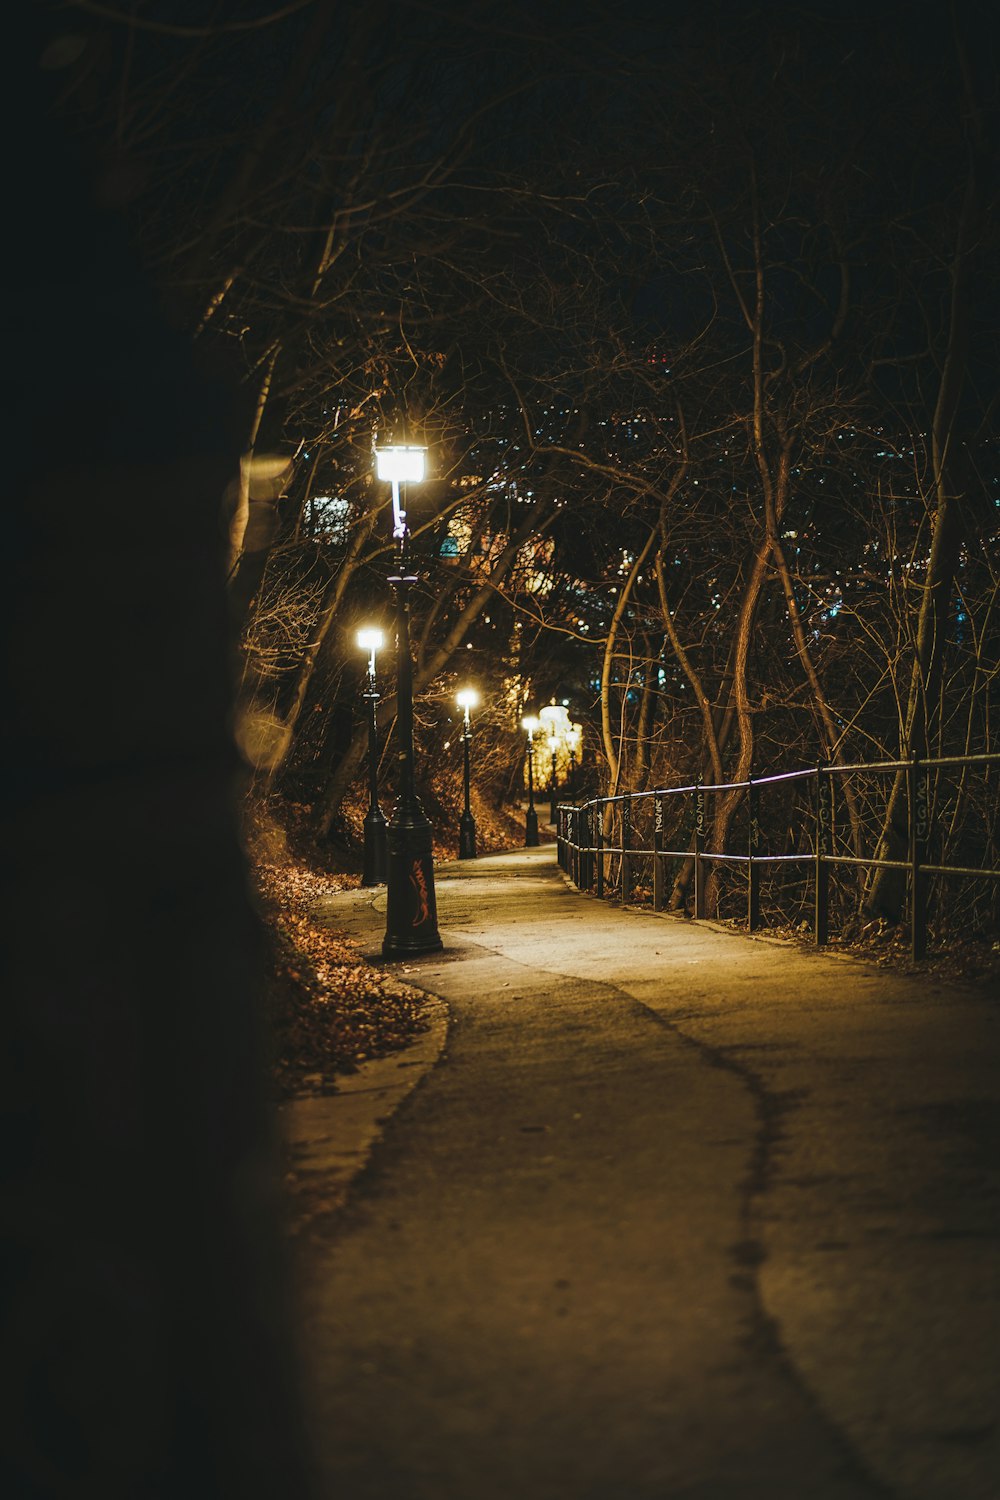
<point>727,802</point>
<point>611,751</point>
<point>611,743</point>
<point>826,724</point>
<point>240,517</point>
<point>644,725</point>
<point>888,887</point>
<point>715,725</point>
<point>711,740</point>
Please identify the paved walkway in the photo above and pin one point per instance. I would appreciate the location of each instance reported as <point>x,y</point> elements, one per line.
<point>674,1215</point>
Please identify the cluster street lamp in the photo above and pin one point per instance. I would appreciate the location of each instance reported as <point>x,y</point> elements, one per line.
<point>466,700</point>
<point>556,721</point>
<point>411,907</point>
<point>372,640</point>
<point>562,735</point>
<point>553,790</point>
<point>531,725</point>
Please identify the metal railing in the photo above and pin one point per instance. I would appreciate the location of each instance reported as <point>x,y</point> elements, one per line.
<point>596,836</point>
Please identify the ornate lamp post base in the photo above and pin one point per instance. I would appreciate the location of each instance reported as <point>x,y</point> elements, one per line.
<point>375,857</point>
<point>531,829</point>
<point>467,836</point>
<point>411,907</point>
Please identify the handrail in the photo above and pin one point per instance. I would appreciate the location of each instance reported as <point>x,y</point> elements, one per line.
<point>584,850</point>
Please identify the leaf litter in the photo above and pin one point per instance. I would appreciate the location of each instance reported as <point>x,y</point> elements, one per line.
<point>329,1010</point>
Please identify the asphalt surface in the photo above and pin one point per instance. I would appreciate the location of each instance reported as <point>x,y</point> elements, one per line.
<point>673,1214</point>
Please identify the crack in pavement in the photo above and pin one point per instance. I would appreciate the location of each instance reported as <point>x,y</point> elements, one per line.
<point>581,1317</point>
<point>764,1339</point>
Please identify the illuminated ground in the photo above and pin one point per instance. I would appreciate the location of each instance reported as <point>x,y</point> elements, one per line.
<point>674,1215</point>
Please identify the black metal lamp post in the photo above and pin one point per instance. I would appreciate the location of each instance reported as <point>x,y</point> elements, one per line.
<point>573,745</point>
<point>467,699</point>
<point>411,907</point>
<point>553,788</point>
<point>371,640</point>
<point>531,724</point>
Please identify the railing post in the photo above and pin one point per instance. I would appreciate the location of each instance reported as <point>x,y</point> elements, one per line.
<point>919,812</point>
<point>823,848</point>
<point>657,847</point>
<point>753,849</point>
<point>587,834</point>
<point>626,850</point>
<point>598,816</point>
<point>699,839</point>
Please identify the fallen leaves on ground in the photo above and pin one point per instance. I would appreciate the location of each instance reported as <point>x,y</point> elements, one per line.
<point>330,1010</point>
<point>950,957</point>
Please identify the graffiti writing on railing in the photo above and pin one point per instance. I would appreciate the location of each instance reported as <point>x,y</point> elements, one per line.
<point>824,815</point>
<point>921,807</point>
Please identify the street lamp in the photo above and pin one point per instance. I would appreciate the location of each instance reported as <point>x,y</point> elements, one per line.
<point>573,739</point>
<point>411,908</point>
<point>553,792</point>
<point>467,699</point>
<point>556,720</point>
<point>531,725</point>
<point>372,640</point>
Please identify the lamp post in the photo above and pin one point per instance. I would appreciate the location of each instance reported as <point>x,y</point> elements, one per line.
<point>531,724</point>
<point>556,720</point>
<point>572,745</point>
<point>467,699</point>
<point>553,790</point>
<point>411,908</point>
<point>372,640</point>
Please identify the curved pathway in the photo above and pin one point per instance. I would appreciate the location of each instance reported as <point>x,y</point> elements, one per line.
<point>674,1216</point>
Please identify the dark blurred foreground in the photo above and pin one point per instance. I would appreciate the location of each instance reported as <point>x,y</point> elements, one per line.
<point>145,1328</point>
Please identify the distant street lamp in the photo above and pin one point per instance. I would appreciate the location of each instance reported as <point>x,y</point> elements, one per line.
<point>372,640</point>
<point>467,699</point>
<point>555,719</point>
<point>573,739</point>
<point>531,725</point>
<point>411,908</point>
<point>553,790</point>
